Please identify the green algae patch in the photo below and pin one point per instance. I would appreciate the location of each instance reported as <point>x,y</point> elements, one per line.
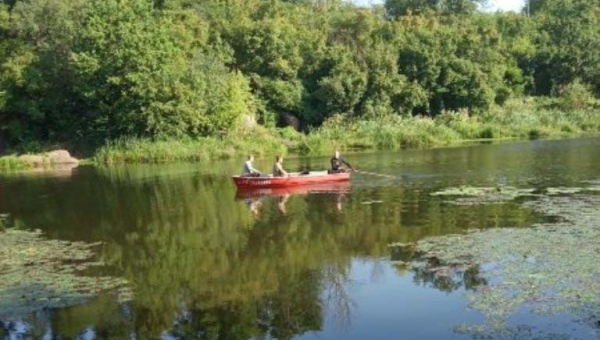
<point>466,195</point>
<point>371,202</point>
<point>572,190</point>
<point>38,273</point>
<point>546,270</point>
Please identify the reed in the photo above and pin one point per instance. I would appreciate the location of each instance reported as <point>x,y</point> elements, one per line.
<point>521,118</point>
<point>12,163</point>
<point>135,150</point>
<point>517,119</point>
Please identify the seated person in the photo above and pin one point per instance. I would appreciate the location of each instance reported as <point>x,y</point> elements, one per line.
<point>249,170</point>
<point>278,168</point>
<point>281,201</point>
<point>337,163</point>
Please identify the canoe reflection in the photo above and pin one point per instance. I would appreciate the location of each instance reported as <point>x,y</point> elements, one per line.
<point>254,197</point>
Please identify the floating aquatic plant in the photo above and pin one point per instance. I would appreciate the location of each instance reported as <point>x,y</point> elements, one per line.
<point>548,269</point>
<point>593,181</point>
<point>483,195</point>
<point>371,202</point>
<point>571,190</point>
<point>37,273</point>
<point>3,218</point>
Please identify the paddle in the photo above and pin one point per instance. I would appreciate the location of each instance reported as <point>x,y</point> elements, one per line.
<point>374,174</point>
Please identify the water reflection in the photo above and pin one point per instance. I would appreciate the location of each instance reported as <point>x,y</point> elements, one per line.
<point>206,266</point>
<point>208,262</point>
<point>254,198</point>
<point>281,201</point>
<point>435,274</point>
<point>62,170</point>
<point>254,204</point>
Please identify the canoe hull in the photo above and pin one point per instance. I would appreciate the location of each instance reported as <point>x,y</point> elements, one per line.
<point>293,180</point>
<point>340,187</point>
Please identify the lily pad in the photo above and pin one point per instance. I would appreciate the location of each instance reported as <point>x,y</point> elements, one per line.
<point>371,202</point>
<point>38,273</point>
<point>574,190</point>
<point>466,195</point>
<point>548,269</point>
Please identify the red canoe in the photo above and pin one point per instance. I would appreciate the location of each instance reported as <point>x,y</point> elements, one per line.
<point>341,187</point>
<point>295,179</point>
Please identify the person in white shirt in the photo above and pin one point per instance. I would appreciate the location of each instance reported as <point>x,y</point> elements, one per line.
<point>278,170</point>
<point>249,170</point>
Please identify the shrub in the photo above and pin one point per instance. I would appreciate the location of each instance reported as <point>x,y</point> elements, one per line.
<point>575,96</point>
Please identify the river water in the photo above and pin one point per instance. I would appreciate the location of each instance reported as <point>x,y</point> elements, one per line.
<point>207,262</point>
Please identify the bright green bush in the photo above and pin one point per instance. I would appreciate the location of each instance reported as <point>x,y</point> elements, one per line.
<point>13,163</point>
<point>575,96</point>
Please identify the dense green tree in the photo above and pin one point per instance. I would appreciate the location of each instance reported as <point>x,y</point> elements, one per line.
<point>568,35</point>
<point>91,71</point>
<point>9,3</point>
<point>457,64</point>
<point>518,34</point>
<point>163,80</point>
<point>272,49</point>
<point>534,6</point>
<point>403,7</point>
<point>344,87</point>
<point>4,51</point>
<point>35,72</point>
<point>129,70</point>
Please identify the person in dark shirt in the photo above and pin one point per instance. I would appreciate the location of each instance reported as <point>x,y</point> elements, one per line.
<point>337,164</point>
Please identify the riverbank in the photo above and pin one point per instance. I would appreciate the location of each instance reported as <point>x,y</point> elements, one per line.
<point>518,119</point>
<point>13,163</point>
<point>258,141</point>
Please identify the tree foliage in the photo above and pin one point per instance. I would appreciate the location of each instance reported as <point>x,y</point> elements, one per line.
<point>569,35</point>
<point>91,70</point>
<point>404,7</point>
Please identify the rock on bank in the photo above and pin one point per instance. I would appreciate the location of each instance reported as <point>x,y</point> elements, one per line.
<point>52,158</point>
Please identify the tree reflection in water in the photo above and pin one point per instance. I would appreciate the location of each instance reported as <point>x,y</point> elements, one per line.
<point>430,271</point>
<point>205,266</point>
<point>254,197</point>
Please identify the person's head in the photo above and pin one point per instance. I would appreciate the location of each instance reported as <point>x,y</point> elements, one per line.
<point>250,158</point>
<point>279,159</point>
<point>337,154</point>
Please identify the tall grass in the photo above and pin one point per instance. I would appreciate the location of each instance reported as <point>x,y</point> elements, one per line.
<point>13,163</point>
<point>517,119</point>
<point>523,118</point>
<point>257,142</point>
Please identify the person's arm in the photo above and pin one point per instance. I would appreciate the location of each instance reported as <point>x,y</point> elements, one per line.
<point>346,163</point>
<point>280,168</point>
<point>252,169</point>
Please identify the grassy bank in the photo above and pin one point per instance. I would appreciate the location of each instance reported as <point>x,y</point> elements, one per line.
<point>47,160</point>
<point>257,142</point>
<point>13,163</point>
<point>517,119</point>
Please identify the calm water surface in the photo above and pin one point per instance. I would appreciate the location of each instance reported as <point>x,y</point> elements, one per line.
<point>209,263</point>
